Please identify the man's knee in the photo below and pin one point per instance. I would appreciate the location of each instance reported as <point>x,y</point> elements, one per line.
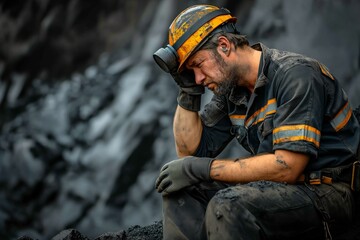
<point>229,213</point>
<point>227,204</point>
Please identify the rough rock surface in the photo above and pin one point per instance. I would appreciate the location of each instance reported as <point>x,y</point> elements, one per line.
<point>151,232</point>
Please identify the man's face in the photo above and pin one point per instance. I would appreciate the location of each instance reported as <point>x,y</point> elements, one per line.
<point>212,72</point>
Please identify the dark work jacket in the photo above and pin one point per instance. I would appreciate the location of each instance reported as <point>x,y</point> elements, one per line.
<point>297,105</point>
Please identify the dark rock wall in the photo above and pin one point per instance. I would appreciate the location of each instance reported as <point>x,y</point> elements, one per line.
<point>50,40</point>
<point>325,30</point>
<point>86,116</point>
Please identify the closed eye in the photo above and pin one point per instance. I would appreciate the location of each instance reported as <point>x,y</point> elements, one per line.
<point>199,64</point>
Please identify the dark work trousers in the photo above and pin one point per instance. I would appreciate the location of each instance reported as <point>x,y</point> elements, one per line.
<point>257,210</point>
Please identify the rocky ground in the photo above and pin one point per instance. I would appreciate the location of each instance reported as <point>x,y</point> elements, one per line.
<point>151,232</point>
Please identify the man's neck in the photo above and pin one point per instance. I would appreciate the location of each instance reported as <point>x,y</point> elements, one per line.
<point>253,58</point>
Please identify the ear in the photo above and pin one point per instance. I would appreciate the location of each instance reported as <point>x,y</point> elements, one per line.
<point>224,45</point>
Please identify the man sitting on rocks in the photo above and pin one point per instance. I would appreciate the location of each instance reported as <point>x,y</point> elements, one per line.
<point>287,110</point>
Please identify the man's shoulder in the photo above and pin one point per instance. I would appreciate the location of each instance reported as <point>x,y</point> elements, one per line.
<point>282,58</point>
<point>281,63</point>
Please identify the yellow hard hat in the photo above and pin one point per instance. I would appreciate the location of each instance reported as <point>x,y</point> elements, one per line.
<point>193,25</point>
<point>189,29</point>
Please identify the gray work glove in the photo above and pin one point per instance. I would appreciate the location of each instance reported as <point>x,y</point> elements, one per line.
<point>182,173</point>
<point>190,93</point>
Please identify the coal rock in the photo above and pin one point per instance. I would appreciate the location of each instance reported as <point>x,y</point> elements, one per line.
<point>150,232</point>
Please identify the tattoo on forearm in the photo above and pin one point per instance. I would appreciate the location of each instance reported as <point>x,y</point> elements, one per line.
<point>216,169</point>
<point>281,161</point>
<point>217,166</point>
<point>241,163</point>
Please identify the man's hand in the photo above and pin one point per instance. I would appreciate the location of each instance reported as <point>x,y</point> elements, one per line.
<point>190,93</point>
<point>186,81</point>
<point>182,173</point>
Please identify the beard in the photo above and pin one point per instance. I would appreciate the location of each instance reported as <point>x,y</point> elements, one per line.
<point>228,82</point>
<point>229,76</point>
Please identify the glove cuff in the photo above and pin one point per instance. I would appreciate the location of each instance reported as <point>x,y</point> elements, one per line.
<point>206,173</point>
<point>189,102</point>
<point>198,168</point>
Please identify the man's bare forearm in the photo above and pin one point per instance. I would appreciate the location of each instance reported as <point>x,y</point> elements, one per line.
<point>187,131</point>
<point>283,166</point>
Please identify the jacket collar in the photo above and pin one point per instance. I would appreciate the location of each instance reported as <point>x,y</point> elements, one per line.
<point>265,55</point>
<point>240,95</point>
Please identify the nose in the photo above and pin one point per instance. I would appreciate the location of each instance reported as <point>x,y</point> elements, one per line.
<point>199,77</point>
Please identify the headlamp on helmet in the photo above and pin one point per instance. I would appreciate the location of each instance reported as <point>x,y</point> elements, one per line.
<point>166,58</point>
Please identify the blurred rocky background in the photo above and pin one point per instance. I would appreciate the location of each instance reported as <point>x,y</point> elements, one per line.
<point>86,115</point>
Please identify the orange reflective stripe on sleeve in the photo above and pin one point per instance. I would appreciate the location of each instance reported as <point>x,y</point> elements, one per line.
<point>342,117</point>
<point>259,115</point>
<point>302,132</point>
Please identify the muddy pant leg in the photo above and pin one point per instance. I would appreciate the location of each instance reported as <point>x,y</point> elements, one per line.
<point>184,211</point>
<point>267,210</point>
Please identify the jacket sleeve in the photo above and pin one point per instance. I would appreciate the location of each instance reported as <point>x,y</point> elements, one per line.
<point>300,97</point>
<point>216,128</point>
